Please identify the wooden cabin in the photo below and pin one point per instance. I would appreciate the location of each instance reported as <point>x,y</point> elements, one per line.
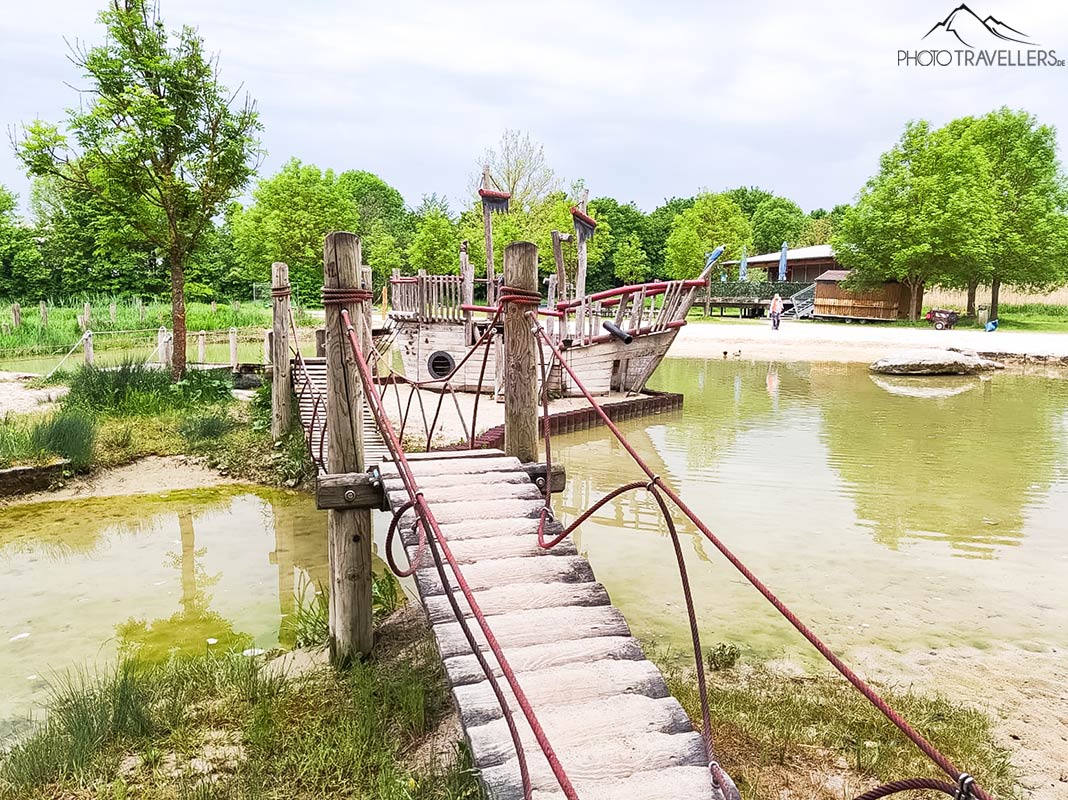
<point>887,302</point>
<point>803,264</point>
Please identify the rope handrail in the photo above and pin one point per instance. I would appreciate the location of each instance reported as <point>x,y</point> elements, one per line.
<point>965,785</point>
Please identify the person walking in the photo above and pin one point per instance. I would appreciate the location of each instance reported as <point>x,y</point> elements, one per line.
<point>775,311</point>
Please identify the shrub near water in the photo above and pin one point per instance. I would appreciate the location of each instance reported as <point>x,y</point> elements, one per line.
<point>69,434</point>
<point>134,388</point>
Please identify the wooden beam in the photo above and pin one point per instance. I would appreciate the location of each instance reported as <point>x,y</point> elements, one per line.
<point>349,530</point>
<point>487,230</point>
<point>520,377</point>
<point>537,473</point>
<point>351,490</point>
<point>281,386</point>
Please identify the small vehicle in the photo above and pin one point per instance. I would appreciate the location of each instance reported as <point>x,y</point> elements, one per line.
<point>942,319</point>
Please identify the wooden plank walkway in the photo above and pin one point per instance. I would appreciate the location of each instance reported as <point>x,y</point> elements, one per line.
<point>314,424</point>
<point>604,707</point>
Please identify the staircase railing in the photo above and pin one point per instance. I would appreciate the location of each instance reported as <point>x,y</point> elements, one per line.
<point>803,302</point>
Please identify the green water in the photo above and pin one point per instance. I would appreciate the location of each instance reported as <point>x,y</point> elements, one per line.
<point>892,513</point>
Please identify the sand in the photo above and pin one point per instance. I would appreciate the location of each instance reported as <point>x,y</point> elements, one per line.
<point>17,397</point>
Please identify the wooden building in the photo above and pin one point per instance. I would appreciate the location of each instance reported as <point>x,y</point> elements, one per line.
<point>803,264</point>
<point>886,302</point>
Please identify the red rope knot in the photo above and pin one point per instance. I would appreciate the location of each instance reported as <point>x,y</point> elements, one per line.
<point>283,291</point>
<point>652,483</point>
<point>521,297</point>
<point>339,297</point>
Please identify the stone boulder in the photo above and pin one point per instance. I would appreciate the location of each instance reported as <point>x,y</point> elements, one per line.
<point>933,362</point>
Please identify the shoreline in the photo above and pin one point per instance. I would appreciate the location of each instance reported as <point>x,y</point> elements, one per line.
<point>806,341</point>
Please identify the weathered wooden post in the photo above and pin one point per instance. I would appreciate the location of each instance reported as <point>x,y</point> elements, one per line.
<point>320,342</point>
<point>467,296</point>
<point>214,307</point>
<point>558,240</point>
<point>281,387</point>
<point>520,377</point>
<point>141,310</point>
<point>81,322</point>
<point>581,235</point>
<point>44,314</point>
<point>161,345</point>
<point>87,348</point>
<point>233,349</point>
<point>16,315</point>
<point>202,347</point>
<point>87,315</point>
<point>550,301</point>
<point>487,229</point>
<point>235,306</point>
<point>113,311</point>
<point>349,529</point>
<point>267,336</point>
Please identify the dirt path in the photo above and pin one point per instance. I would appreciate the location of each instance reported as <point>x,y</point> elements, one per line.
<point>813,341</point>
<point>153,474</point>
<point>17,397</point>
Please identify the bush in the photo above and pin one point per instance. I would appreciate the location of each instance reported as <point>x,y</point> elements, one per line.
<point>135,388</point>
<point>209,427</point>
<point>69,434</point>
<point>723,655</point>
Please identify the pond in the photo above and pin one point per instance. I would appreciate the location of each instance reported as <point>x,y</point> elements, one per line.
<point>894,514</point>
<point>176,570</point>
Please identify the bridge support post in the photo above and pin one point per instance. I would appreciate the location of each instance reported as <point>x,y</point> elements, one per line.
<point>281,385</point>
<point>349,530</point>
<point>520,376</point>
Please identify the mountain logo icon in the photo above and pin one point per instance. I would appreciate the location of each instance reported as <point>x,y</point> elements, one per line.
<point>969,29</point>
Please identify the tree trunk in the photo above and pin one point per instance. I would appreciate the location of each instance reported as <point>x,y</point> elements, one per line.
<point>914,297</point>
<point>995,290</point>
<point>177,260</point>
<point>973,284</point>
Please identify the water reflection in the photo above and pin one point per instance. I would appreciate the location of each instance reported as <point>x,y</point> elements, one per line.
<point>888,515</point>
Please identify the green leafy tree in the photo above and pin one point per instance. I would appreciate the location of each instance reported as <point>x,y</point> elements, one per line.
<point>624,220</point>
<point>930,208</point>
<point>749,198</point>
<point>290,214</point>
<point>22,272</point>
<point>631,264</point>
<point>435,246</point>
<point>817,230</point>
<point>1030,203</point>
<point>518,166</point>
<point>379,205</point>
<point>383,253</point>
<point>713,220</point>
<point>156,139</point>
<point>657,228</point>
<point>777,220</point>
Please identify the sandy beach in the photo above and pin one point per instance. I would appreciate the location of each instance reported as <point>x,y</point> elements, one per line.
<point>814,341</point>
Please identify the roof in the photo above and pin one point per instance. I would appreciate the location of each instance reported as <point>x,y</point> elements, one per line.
<point>836,275</point>
<point>795,254</point>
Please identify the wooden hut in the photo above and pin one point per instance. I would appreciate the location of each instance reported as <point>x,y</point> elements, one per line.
<point>887,302</point>
<point>803,264</point>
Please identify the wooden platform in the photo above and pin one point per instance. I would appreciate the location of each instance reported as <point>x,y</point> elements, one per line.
<point>603,705</point>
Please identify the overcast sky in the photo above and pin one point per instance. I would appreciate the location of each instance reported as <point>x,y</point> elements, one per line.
<point>643,100</point>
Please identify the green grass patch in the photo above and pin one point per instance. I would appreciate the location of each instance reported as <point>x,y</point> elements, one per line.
<point>69,434</point>
<point>816,732</point>
<point>227,726</point>
<point>133,388</point>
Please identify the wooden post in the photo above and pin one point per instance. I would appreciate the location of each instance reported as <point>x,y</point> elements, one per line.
<point>467,296</point>
<point>235,306</point>
<point>202,347</point>
<point>87,347</point>
<point>113,310</point>
<point>161,345</point>
<point>558,259</point>
<point>16,315</point>
<point>44,314</point>
<point>349,531</point>
<point>580,272</point>
<point>81,322</point>
<point>487,227</point>
<point>87,314</point>
<point>420,289</point>
<point>281,387</point>
<point>233,349</point>
<point>141,310</point>
<point>520,377</point>
<point>320,342</point>
<point>214,307</point>
<point>267,336</point>
<point>550,302</point>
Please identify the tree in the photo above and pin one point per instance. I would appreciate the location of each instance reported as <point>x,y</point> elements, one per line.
<point>378,205</point>
<point>657,228</point>
<point>290,214</point>
<point>518,166</point>
<point>713,220</point>
<point>631,263</point>
<point>817,230</point>
<point>928,210</point>
<point>22,274</point>
<point>157,139</point>
<point>624,220</point>
<point>777,220</point>
<point>1030,202</point>
<point>383,253</point>
<point>435,246</point>
<point>748,199</point>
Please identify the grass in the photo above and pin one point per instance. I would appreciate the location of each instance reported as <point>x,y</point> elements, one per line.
<point>68,434</point>
<point>136,389</point>
<point>63,330</point>
<point>226,726</point>
<point>818,736</point>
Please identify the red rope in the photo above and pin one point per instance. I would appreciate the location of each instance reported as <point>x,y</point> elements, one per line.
<point>872,696</point>
<point>438,542</point>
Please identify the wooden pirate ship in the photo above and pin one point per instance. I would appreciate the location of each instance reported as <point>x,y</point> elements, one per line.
<point>613,340</point>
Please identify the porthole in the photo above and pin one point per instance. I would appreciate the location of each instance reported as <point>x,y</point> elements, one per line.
<point>440,364</point>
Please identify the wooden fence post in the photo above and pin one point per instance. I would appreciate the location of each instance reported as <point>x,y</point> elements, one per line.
<point>16,315</point>
<point>349,530</point>
<point>520,377</point>
<point>487,232</point>
<point>113,310</point>
<point>87,347</point>
<point>141,310</point>
<point>467,293</point>
<point>202,347</point>
<point>44,314</point>
<point>281,387</point>
<point>214,307</point>
<point>267,336</point>
<point>580,271</point>
<point>233,349</point>
<point>320,342</point>
<point>87,314</point>
<point>161,345</point>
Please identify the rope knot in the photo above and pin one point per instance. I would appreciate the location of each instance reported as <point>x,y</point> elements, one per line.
<point>649,487</point>
<point>338,297</point>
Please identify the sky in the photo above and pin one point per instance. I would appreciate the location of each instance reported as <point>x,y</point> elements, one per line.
<point>643,101</point>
